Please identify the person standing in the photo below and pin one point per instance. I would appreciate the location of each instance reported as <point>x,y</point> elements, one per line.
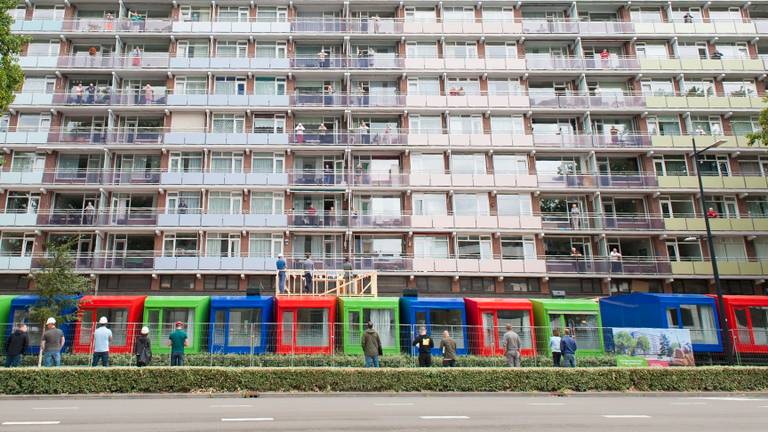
<point>309,268</point>
<point>568,348</point>
<point>53,341</point>
<point>102,337</point>
<point>371,346</point>
<point>16,346</point>
<point>281,266</point>
<point>512,347</point>
<point>448,347</point>
<point>575,216</point>
<point>554,346</point>
<point>142,348</point>
<point>346,266</point>
<point>178,341</point>
<point>424,345</point>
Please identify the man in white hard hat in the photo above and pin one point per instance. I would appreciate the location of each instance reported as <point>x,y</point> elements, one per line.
<point>53,341</point>
<point>102,337</point>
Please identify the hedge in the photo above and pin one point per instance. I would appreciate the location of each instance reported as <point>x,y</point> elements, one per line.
<point>318,360</point>
<point>202,379</point>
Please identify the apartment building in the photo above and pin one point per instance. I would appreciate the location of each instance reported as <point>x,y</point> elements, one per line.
<point>458,147</point>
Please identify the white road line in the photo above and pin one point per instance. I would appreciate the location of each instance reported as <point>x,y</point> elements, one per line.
<point>230,406</point>
<point>628,416</point>
<point>444,417</point>
<point>547,404</point>
<point>394,404</point>
<point>54,408</point>
<point>252,419</point>
<point>29,423</point>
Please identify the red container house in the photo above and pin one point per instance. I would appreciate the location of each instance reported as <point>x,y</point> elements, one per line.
<point>488,318</point>
<point>748,316</point>
<point>305,324</point>
<point>124,314</point>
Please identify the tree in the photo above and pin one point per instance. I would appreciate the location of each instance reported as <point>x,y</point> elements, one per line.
<point>643,344</point>
<point>57,285</point>
<point>760,137</point>
<point>11,75</point>
<point>624,343</point>
<point>665,346</point>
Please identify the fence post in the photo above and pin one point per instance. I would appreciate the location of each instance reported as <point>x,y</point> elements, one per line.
<point>250,358</point>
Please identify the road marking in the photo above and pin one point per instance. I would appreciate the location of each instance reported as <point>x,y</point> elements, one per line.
<point>230,406</point>
<point>55,408</point>
<point>251,419</point>
<point>444,417</point>
<point>547,404</point>
<point>30,423</point>
<point>629,416</point>
<point>393,404</point>
<point>687,403</point>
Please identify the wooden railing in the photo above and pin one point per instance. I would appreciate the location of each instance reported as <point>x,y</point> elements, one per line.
<point>328,282</point>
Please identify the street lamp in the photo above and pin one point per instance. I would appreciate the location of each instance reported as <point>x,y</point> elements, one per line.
<point>724,328</point>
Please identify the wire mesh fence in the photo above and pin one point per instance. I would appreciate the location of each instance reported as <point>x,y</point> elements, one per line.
<point>315,342</point>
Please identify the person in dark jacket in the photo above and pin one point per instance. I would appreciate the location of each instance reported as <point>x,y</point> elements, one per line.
<point>142,348</point>
<point>448,347</point>
<point>568,348</point>
<point>16,346</point>
<point>424,345</point>
<point>371,346</point>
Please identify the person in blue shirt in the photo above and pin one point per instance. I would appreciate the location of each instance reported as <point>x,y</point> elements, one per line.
<point>281,265</point>
<point>568,348</point>
<point>102,337</point>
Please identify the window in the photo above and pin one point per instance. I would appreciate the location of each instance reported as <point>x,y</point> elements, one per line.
<point>46,85</point>
<point>224,245</point>
<point>232,49</point>
<point>191,86</point>
<point>271,50</point>
<point>757,206</point>
<point>271,14</point>
<point>428,163</point>
<point>233,14</point>
<point>229,86</point>
<point>240,330</point>
<point>513,204</point>
<point>265,245</point>
<point>421,50</point>
<point>425,86</point>
<point>429,204</point>
<point>194,13</point>
<point>677,207</point>
<point>744,125</point>
<point>420,14</point>
<point>670,165</point>
<point>269,86</point>
<point>464,50</point>
<point>180,245</point>
<point>16,244</point>
<point>730,249</point>
<point>518,248</point>
<point>683,286</point>
<point>269,125</point>
<point>43,48</point>
<point>22,202</point>
<point>268,203</point>
<point>228,123</point>
<point>651,50</point>
<point>725,206</point>
<point>693,50</point>
<point>745,88</point>
<point>430,247</point>
<point>465,204</point>
<point>498,14</point>
<point>422,124</point>
<point>459,13</point>
<point>192,49</point>
<point>34,122</point>
<point>658,87</point>
<point>503,50</point>
<point>645,15</point>
<point>27,161</point>
<point>736,50</point>
<point>183,202</point>
<point>473,163</point>
<point>698,319</point>
<point>698,87</point>
<point>225,202</point>
<point>268,163</point>
<point>474,247</point>
<point>663,125</point>
<point>684,249</point>
<point>433,284</point>
<point>181,162</point>
<point>477,284</point>
<point>226,162</point>
<point>576,286</point>
<point>465,124</point>
<point>510,164</point>
<point>714,165</point>
<point>464,86</point>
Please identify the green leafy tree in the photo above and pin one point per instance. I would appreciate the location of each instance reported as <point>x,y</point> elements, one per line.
<point>642,345</point>
<point>57,285</point>
<point>11,75</point>
<point>624,343</point>
<point>760,137</point>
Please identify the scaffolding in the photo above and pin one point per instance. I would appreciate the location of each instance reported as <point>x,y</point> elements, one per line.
<point>328,282</point>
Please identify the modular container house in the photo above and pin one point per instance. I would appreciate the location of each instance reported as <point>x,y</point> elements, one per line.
<point>5,310</point>
<point>305,325</point>
<point>488,319</point>
<point>19,312</point>
<point>124,314</point>
<point>581,316</point>
<point>695,312</point>
<point>162,312</point>
<point>240,324</point>
<point>437,315</point>
<point>748,316</point>
<point>383,312</point>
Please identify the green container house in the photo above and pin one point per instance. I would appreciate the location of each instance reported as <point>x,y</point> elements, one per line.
<point>384,312</point>
<point>162,312</point>
<point>5,318</point>
<point>581,316</point>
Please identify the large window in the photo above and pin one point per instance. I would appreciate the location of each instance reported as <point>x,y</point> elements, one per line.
<point>474,247</point>
<point>471,204</point>
<point>232,49</point>
<point>225,202</point>
<point>268,203</point>
<point>185,162</point>
<point>265,245</point>
<point>227,162</point>
<point>228,123</point>
<point>180,245</point>
<point>472,163</point>
<point>312,327</point>
<point>518,247</point>
<point>450,320</point>
<point>699,319</point>
<point>430,247</point>
<point>16,244</point>
<point>521,324</point>
<point>225,245</point>
<point>513,204</point>
<point>583,327</point>
<point>429,204</point>
<point>428,163</point>
<point>752,325</point>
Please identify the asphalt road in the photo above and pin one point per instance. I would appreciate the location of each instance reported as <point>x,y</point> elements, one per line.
<point>389,413</point>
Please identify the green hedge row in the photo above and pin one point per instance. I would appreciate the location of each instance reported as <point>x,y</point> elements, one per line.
<point>280,360</point>
<point>165,380</point>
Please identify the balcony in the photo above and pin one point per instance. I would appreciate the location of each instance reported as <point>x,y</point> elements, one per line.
<point>692,64</point>
<point>725,266</point>
<point>713,182</point>
<point>595,181</point>
<point>605,101</point>
<point>605,266</point>
<point>703,102</point>
<point>742,224</point>
<point>602,222</point>
<point>93,25</point>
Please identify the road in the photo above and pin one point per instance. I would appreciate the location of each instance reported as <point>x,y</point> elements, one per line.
<point>388,413</point>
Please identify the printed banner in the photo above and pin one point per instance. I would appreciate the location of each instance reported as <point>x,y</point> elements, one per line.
<point>651,347</point>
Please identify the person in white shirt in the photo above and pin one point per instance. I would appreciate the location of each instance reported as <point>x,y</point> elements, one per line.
<point>102,337</point>
<point>554,346</point>
<point>615,258</point>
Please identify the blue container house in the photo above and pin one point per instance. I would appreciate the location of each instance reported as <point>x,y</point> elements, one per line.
<point>19,312</point>
<point>240,324</point>
<point>695,312</point>
<point>437,315</point>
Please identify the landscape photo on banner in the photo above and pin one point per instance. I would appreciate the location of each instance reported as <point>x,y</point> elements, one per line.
<point>654,347</point>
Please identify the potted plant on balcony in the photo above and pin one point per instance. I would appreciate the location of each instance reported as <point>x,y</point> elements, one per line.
<point>695,92</point>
